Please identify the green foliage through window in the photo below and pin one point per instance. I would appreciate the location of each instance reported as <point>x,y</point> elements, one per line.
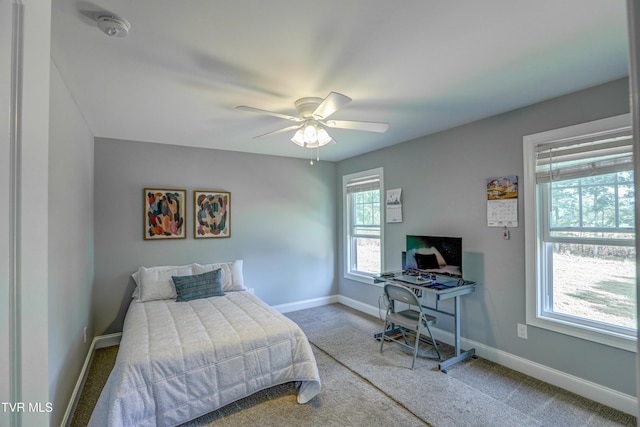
<point>580,250</point>
<point>367,208</point>
<point>601,202</point>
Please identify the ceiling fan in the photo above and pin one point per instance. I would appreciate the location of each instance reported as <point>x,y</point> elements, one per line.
<point>313,119</point>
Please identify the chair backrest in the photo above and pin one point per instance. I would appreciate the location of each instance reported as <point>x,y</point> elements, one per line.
<point>402,294</point>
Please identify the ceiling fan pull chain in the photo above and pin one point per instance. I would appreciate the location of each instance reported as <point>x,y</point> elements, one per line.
<point>317,155</point>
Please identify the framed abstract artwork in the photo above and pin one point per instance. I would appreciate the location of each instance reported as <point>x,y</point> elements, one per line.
<point>164,214</point>
<point>212,214</point>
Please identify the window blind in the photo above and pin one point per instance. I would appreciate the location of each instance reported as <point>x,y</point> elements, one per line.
<point>363,184</point>
<point>585,156</point>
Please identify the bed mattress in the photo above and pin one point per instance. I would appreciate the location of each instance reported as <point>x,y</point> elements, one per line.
<point>180,360</point>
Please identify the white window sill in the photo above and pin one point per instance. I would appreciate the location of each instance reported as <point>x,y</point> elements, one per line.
<point>362,278</point>
<point>590,334</point>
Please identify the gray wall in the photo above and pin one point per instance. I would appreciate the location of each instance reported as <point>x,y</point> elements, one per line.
<point>70,245</point>
<point>283,221</point>
<point>442,177</point>
<point>285,214</point>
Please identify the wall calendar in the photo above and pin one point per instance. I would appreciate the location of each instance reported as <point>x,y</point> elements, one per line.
<point>502,201</point>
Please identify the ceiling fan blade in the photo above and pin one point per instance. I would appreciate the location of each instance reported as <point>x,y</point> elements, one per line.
<point>275,132</point>
<point>356,125</point>
<point>330,105</point>
<point>271,113</point>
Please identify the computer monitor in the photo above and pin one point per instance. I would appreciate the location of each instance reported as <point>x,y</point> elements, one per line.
<point>431,254</point>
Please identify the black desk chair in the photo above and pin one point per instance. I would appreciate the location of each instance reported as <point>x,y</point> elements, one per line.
<point>409,320</point>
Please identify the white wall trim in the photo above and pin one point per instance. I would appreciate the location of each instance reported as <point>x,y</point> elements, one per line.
<point>590,390</point>
<point>310,303</point>
<point>360,306</point>
<point>110,340</point>
<point>535,270</point>
<point>607,396</point>
<point>15,193</point>
<point>97,342</point>
<point>633,31</point>
<point>346,219</point>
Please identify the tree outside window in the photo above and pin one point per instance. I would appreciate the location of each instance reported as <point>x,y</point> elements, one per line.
<point>580,252</point>
<point>363,224</point>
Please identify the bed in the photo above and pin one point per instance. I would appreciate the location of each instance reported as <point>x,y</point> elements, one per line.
<point>181,359</point>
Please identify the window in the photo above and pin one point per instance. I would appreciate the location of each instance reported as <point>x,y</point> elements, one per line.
<point>580,233</point>
<point>363,224</point>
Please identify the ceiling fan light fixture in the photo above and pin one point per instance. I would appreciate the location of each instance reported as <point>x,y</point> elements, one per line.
<point>311,136</point>
<point>298,138</point>
<point>323,137</point>
<point>310,133</point>
<point>313,117</point>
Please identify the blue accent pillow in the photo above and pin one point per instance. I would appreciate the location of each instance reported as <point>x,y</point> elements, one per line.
<point>203,285</point>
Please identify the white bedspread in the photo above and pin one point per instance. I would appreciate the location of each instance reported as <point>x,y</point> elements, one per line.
<point>180,360</point>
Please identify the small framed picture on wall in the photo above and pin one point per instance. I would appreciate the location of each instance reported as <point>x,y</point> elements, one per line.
<point>164,214</point>
<point>212,214</point>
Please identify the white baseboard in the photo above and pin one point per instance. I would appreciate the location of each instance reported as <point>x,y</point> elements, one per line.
<point>360,306</point>
<point>310,303</point>
<point>96,343</point>
<point>590,390</point>
<point>107,340</point>
<point>607,396</point>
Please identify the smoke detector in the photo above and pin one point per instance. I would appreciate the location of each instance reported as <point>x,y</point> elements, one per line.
<point>113,25</point>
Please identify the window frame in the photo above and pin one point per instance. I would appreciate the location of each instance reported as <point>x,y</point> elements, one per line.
<point>348,272</point>
<point>536,266</point>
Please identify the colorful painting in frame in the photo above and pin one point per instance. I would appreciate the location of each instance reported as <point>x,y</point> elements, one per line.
<point>164,214</point>
<point>212,214</point>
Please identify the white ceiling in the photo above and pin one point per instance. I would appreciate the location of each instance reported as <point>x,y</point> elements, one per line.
<point>421,65</point>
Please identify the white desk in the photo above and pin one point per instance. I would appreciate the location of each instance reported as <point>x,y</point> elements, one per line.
<point>446,289</point>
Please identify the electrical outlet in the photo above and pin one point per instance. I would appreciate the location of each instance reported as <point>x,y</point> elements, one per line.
<point>522,331</point>
<point>84,335</point>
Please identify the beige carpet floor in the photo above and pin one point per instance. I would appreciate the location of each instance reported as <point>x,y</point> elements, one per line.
<point>363,387</point>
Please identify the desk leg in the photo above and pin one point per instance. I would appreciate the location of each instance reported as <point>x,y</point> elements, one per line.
<point>456,322</point>
<point>460,355</point>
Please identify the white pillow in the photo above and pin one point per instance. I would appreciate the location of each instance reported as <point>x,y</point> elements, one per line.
<point>232,276</point>
<point>155,283</point>
<point>136,278</point>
